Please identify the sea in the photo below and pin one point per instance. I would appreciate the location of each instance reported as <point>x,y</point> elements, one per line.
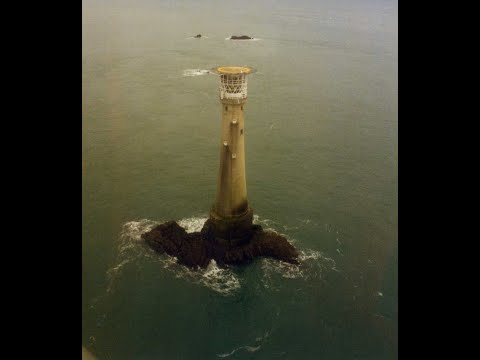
<point>321,136</point>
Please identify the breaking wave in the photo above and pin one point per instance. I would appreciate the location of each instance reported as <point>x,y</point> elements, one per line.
<point>195,72</point>
<point>131,251</point>
<point>220,280</point>
<point>192,224</point>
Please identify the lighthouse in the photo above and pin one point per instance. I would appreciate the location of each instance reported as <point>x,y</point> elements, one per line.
<point>228,236</point>
<point>231,214</point>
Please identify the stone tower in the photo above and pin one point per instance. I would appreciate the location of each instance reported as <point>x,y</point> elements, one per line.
<point>231,215</point>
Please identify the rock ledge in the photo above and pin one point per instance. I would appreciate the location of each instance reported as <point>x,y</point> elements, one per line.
<point>197,249</point>
<point>242,37</point>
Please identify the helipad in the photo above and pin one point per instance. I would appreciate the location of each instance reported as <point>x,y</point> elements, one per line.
<point>232,70</point>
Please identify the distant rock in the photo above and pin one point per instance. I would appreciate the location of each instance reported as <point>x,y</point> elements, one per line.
<point>242,37</point>
<point>198,36</point>
<point>197,249</point>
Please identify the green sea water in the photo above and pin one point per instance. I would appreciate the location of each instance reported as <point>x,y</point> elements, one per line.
<point>321,133</point>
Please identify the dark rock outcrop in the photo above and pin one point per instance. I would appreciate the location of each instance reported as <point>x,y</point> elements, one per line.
<point>198,36</point>
<point>242,37</point>
<point>198,248</point>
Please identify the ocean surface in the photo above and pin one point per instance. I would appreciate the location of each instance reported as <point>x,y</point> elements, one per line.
<point>321,133</point>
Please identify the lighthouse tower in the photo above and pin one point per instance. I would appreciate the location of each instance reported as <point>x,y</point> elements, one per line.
<point>231,215</point>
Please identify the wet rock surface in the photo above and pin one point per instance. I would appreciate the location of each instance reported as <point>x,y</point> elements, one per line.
<point>242,37</point>
<point>198,248</point>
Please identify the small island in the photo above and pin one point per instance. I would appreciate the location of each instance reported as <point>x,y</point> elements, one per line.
<point>197,249</point>
<point>242,37</point>
<point>198,36</point>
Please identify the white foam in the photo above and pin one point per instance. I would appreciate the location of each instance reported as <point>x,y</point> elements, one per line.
<point>115,269</point>
<point>227,354</point>
<point>262,221</point>
<point>128,249</point>
<point>267,224</point>
<point>195,72</point>
<point>313,264</point>
<point>221,280</point>
<point>248,348</point>
<point>311,255</point>
<point>192,224</point>
<point>274,267</point>
<point>133,230</point>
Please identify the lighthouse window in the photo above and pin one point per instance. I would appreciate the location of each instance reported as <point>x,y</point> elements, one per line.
<point>241,131</point>
<point>241,107</point>
<point>226,108</point>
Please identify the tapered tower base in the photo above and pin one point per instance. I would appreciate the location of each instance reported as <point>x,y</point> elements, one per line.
<point>234,230</point>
